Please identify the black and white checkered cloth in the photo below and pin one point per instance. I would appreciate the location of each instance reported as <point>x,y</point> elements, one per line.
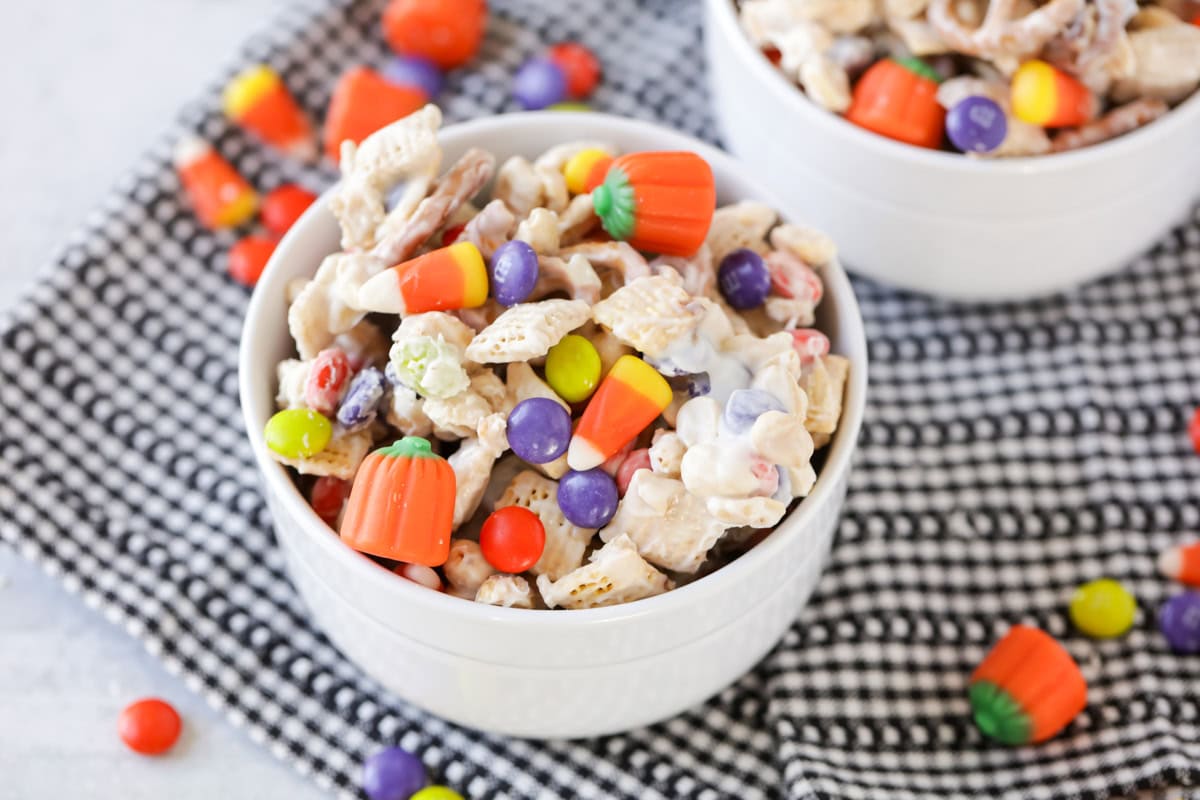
<point>1009,454</point>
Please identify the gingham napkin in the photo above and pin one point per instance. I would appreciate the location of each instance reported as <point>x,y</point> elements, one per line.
<point>1009,454</point>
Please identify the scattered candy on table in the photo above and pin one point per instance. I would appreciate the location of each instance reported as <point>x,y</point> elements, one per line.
<point>661,201</point>
<point>1194,430</point>
<point>392,774</point>
<point>220,196</point>
<point>298,432</point>
<point>744,279</point>
<point>592,412</point>
<point>248,258</point>
<point>1179,621</point>
<point>150,727</point>
<point>568,70</point>
<point>437,793</point>
<point>514,272</point>
<point>586,169</point>
<point>579,65</point>
<point>281,207</point>
<point>402,504</point>
<point>512,539</point>
<point>447,32</point>
<point>897,98</point>
<point>629,398</point>
<point>1181,564</point>
<point>573,368</point>
<point>447,278</point>
<point>1103,608</point>
<point>416,71</point>
<point>363,101</point>
<point>976,125</point>
<point>259,101</point>
<point>588,498</point>
<point>539,430</point>
<point>1027,689</point>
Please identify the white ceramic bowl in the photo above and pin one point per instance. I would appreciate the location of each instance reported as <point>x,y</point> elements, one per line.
<point>940,222</point>
<point>547,673</point>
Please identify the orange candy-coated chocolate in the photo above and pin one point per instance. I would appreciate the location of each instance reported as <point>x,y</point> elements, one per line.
<point>660,202</point>
<point>362,103</point>
<point>898,99</point>
<point>248,258</point>
<point>1026,689</point>
<point>281,207</point>
<point>150,727</point>
<point>447,32</point>
<point>402,504</point>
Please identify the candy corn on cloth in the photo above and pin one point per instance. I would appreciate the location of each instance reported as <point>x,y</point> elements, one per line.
<point>1009,454</point>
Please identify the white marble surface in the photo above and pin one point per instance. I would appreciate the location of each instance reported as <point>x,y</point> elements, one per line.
<point>85,85</point>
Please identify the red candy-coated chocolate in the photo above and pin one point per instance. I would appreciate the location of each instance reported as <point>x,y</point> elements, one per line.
<point>512,539</point>
<point>638,459</point>
<point>149,726</point>
<point>810,343</point>
<point>283,206</point>
<point>1194,430</point>
<point>447,32</point>
<point>326,378</point>
<point>450,236</point>
<point>248,257</point>
<point>327,497</point>
<point>579,65</point>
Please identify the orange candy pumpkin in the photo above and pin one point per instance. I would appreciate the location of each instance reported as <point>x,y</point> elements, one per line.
<point>658,202</point>
<point>402,504</point>
<point>898,99</point>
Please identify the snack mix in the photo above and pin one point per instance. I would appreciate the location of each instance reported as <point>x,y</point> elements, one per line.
<point>988,78</point>
<point>565,421</point>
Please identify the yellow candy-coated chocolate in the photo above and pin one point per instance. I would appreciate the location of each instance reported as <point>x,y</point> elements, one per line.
<point>573,368</point>
<point>437,793</point>
<point>298,433</point>
<point>1103,608</point>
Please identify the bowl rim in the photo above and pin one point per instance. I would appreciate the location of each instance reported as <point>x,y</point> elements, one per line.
<point>278,484</point>
<point>1186,113</point>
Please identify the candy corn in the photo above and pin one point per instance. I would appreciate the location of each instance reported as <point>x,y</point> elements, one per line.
<point>630,397</point>
<point>659,202</point>
<point>586,169</point>
<point>258,100</point>
<point>445,279</point>
<point>1027,688</point>
<point>220,196</point>
<point>1181,564</point>
<point>362,103</point>
<point>1045,96</point>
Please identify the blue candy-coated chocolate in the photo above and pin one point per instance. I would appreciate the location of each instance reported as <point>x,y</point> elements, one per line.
<point>976,125</point>
<point>746,405</point>
<point>514,272</point>
<point>361,401</point>
<point>539,83</point>
<point>539,430</point>
<point>588,499</point>
<point>393,774</point>
<point>744,279</point>
<point>415,71</point>
<point>1179,621</point>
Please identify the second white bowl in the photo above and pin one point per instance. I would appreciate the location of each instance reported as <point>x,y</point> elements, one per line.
<point>940,222</point>
<point>547,673</point>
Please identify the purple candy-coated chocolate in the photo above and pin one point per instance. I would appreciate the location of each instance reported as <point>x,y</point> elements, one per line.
<point>976,124</point>
<point>539,430</point>
<point>361,401</point>
<point>514,272</point>
<point>1179,620</point>
<point>695,385</point>
<point>393,774</point>
<point>588,499</point>
<point>414,71</point>
<point>746,405</point>
<point>744,279</point>
<point>539,83</point>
